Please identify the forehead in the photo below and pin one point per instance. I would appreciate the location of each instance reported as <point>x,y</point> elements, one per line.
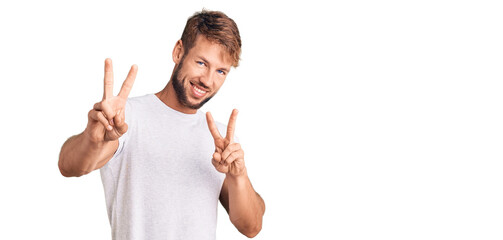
<point>214,52</point>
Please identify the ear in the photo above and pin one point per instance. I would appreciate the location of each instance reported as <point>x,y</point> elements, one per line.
<point>178,52</point>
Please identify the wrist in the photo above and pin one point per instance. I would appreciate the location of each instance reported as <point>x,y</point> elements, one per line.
<point>238,179</point>
<point>93,144</point>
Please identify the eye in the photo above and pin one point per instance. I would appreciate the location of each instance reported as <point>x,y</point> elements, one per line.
<point>221,72</point>
<point>200,63</point>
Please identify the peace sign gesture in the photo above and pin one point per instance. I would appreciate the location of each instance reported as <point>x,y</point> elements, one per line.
<point>106,119</point>
<point>228,157</point>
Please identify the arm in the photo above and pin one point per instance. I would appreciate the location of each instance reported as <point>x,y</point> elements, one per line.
<point>245,206</point>
<point>79,155</point>
<point>93,148</point>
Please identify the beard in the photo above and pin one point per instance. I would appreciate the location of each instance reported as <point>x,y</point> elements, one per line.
<point>181,91</point>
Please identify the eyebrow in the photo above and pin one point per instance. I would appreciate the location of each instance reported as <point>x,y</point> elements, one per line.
<point>207,62</point>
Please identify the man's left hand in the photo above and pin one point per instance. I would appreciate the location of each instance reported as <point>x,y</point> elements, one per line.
<point>228,157</point>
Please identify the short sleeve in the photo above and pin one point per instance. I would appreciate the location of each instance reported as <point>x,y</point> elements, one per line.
<point>123,139</point>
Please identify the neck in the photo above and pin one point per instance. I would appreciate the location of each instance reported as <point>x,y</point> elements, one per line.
<point>168,97</point>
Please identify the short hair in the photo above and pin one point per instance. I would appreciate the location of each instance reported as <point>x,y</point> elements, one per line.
<point>216,27</point>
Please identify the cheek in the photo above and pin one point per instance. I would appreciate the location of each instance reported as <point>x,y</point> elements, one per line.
<point>218,84</point>
<point>193,72</point>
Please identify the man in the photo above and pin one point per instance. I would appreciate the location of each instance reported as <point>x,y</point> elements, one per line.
<point>164,164</point>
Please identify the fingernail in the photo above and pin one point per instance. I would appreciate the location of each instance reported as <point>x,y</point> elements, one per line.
<point>109,127</point>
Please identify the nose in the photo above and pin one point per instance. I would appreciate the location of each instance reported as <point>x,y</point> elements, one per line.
<point>207,79</point>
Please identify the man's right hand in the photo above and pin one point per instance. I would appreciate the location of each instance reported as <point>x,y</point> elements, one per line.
<point>106,121</point>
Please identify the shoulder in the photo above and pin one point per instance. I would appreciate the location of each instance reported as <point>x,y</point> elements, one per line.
<point>140,103</point>
<point>222,129</point>
<point>141,100</point>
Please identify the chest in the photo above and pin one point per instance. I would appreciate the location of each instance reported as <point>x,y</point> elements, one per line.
<point>173,158</point>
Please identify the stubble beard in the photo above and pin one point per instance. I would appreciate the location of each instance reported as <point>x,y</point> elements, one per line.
<point>181,91</point>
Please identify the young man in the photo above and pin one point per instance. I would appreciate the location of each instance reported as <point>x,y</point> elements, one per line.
<point>164,164</point>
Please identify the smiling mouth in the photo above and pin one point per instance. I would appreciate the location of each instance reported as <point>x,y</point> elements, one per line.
<point>197,91</point>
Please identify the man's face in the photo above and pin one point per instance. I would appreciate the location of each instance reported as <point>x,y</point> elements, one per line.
<point>200,73</point>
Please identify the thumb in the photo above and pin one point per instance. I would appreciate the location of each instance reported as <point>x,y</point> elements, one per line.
<point>120,123</point>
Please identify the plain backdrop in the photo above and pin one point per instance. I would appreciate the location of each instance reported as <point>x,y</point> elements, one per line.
<point>359,119</point>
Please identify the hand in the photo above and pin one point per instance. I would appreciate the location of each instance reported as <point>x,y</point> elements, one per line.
<point>106,119</point>
<point>228,157</point>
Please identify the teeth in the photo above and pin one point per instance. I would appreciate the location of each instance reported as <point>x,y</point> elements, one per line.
<point>199,90</point>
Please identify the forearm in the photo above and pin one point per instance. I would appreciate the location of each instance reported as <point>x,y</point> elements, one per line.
<point>246,207</point>
<point>80,156</point>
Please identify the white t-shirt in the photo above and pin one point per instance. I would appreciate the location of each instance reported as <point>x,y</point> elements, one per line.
<point>160,184</point>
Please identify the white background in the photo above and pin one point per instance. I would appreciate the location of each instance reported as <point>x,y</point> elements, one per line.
<point>359,119</point>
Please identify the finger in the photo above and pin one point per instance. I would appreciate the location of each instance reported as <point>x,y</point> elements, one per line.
<point>119,122</point>
<point>215,163</point>
<point>219,167</point>
<point>229,149</point>
<point>217,157</point>
<point>128,83</point>
<point>106,109</point>
<point>109,79</point>
<point>213,128</point>
<point>233,157</point>
<point>231,126</point>
<point>98,116</point>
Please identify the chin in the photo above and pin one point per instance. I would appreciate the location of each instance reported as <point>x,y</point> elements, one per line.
<point>183,93</point>
<point>196,103</point>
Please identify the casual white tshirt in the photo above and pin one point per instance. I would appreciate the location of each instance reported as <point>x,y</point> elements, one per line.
<point>160,184</point>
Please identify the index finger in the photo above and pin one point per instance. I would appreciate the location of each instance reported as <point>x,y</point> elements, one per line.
<point>213,128</point>
<point>232,125</point>
<point>128,83</point>
<point>108,80</point>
